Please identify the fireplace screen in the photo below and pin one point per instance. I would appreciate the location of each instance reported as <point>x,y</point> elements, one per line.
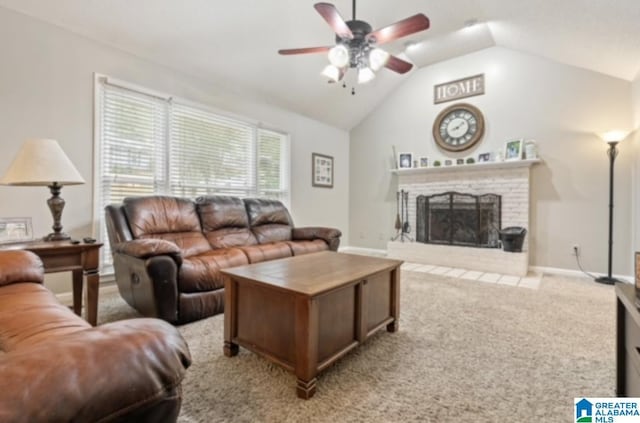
<point>458,219</point>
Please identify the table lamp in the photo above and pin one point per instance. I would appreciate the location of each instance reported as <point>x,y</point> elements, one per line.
<point>42,162</point>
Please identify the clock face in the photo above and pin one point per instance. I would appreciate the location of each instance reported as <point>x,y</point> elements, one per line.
<point>458,127</point>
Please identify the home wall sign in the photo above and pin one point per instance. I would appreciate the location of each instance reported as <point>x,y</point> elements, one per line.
<point>460,88</point>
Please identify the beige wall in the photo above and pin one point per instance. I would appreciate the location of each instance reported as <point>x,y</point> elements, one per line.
<point>46,90</point>
<point>526,97</point>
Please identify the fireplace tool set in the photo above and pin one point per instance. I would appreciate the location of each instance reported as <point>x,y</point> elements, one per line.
<point>402,217</point>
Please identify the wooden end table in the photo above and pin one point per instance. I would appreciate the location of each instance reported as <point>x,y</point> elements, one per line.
<point>80,259</point>
<point>306,312</point>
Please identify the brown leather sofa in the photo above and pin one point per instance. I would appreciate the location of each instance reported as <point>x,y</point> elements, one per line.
<point>168,251</point>
<point>55,367</point>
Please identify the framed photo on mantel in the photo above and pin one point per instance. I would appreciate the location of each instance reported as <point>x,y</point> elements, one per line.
<point>321,170</point>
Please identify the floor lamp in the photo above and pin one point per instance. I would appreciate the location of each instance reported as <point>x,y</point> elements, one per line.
<point>611,138</point>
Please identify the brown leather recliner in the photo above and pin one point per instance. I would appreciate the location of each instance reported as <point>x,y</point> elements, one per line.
<point>168,251</point>
<point>55,367</point>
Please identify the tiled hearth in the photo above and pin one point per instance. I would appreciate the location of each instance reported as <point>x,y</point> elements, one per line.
<point>510,180</point>
<point>531,281</point>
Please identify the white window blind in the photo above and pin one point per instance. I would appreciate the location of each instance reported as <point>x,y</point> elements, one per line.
<point>210,154</point>
<point>151,145</point>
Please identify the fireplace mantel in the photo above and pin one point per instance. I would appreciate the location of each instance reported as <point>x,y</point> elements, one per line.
<point>467,167</point>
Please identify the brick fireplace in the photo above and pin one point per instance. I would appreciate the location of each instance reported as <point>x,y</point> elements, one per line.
<point>508,180</point>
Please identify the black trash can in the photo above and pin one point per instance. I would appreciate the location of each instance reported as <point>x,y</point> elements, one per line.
<point>512,238</point>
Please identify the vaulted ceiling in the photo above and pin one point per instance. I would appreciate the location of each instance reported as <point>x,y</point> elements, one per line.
<point>235,43</point>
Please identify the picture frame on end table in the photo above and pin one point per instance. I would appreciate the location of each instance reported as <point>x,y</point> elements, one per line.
<point>424,162</point>
<point>513,150</point>
<point>321,170</point>
<point>405,160</point>
<point>15,229</point>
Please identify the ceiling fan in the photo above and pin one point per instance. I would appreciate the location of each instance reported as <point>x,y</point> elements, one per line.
<point>356,44</point>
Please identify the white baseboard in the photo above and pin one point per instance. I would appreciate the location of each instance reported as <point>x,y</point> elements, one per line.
<point>575,273</point>
<point>360,250</point>
<point>535,269</point>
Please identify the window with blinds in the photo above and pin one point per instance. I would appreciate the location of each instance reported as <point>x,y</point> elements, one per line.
<point>152,145</point>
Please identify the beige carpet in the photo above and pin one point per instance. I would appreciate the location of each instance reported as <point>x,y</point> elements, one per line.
<point>466,351</point>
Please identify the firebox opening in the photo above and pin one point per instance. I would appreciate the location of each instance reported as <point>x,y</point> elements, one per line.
<point>455,218</point>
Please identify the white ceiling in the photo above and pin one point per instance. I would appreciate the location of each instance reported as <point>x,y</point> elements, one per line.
<point>235,43</point>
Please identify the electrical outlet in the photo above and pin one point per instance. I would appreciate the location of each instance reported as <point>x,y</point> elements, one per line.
<point>575,250</point>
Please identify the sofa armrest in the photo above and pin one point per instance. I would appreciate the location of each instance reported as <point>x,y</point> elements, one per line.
<point>114,372</point>
<point>147,248</point>
<point>330,235</point>
<point>20,266</point>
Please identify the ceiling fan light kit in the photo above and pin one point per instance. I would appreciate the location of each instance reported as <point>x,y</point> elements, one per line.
<point>365,74</point>
<point>339,56</point>
<point>356,45</point>
<point>378,58</point>
<point>332,72</point>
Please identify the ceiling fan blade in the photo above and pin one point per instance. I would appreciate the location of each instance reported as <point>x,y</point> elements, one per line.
<point>413,24</point>
<point>333,18</point>
<point>398,65</point>
<point>306,50</point>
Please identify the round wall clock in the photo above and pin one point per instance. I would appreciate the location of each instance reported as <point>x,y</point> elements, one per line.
<point>458,127</point>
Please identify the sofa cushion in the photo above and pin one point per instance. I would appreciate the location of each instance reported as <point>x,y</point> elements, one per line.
<point>264,252</point>
<point>202,272</point>
<point>269,220</point>
<point>224,221</point>
<point>305,247</point>
<point>170,218</point>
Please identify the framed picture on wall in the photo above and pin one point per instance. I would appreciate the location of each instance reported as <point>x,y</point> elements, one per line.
<point>15,229</point>
<point>321,170</point>
<point>513,150</point>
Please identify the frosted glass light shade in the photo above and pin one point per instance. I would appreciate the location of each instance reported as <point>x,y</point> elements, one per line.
<point>331,72</point>
<point>365,75</point>
<point>377,59</point>
<point>339,56</point>
<point>41,162</point>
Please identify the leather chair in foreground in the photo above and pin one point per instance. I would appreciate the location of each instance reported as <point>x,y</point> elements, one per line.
<point>55,367</point>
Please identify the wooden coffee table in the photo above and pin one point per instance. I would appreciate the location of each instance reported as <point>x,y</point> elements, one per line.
<point>305,312</point>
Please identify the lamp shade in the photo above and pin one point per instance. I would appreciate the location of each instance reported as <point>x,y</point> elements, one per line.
<point>614,136</point>
<point>41,162</point>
